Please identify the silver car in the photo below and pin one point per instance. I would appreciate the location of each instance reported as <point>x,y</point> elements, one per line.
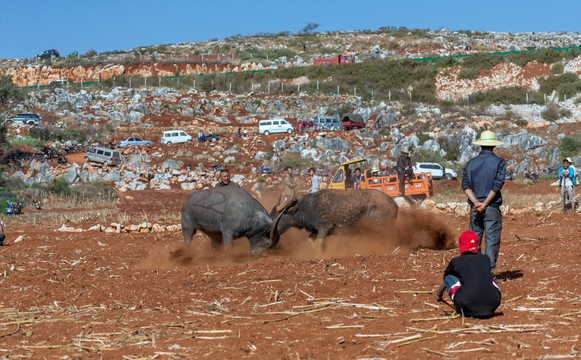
<point>134,141</point>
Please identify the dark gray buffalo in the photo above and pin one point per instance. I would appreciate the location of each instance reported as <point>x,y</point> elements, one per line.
<point>324,211</point>
<point>227,213</point>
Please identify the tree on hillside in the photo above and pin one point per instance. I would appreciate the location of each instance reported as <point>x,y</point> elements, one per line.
<point>9,92</point>
<point>308,28</point>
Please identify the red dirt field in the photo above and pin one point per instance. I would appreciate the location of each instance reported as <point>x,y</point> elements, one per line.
<point>139,296</point>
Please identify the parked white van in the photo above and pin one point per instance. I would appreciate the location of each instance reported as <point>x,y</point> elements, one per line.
<point>175,137</point>
<point>273,126</point>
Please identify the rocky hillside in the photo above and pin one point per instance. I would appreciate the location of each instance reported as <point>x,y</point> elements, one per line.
<point>534,127</point>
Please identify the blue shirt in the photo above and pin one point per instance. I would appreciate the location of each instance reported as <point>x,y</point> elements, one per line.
<point>483,173</point>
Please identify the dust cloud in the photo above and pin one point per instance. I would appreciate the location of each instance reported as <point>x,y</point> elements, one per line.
<point>414,228</point>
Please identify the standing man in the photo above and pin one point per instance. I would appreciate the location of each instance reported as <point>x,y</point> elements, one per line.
<point>239,132</point>
<point>404,169</point>
<point>290,185</point>
<point>566,182</point>
<point>315,181</point>
<point>482,179</point>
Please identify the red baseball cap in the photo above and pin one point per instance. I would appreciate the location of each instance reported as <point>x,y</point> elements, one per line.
<point>468,242</point>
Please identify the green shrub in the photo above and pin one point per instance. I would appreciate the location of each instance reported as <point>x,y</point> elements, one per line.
<point>564,112</point>
<point>408,109</point>
<point>468,73</point>
<point>570,146</point>
<point>423,137</point>
<point>77,135</point>
<point>557,69</point>
<point>507,96</point>
<point>27,141</point>
<point>481,61</point>
<point>521,123</point>
<point>9,92</point>
<point>548,56</point>
<point>40,132</point>
<point>451,147</point>
<point>551,112</point>
<point>60,187</point>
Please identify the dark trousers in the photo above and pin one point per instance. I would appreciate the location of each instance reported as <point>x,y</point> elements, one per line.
<point>488,224</point>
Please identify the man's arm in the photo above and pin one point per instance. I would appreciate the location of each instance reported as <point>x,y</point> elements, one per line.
<point>440,291</point>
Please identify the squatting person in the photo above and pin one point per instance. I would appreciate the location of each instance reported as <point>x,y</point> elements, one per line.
<point>482,179</point>
<point>469,281</point>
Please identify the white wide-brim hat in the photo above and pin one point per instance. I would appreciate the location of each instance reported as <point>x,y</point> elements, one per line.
<point>488,138</point>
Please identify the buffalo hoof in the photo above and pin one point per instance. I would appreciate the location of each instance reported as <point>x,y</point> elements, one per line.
<point>318,244</point>
<point>256,251</point>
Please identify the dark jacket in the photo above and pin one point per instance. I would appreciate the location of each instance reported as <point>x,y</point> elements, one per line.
<point>478,295</point>
<point>231,183</point>
<point>403,162</point>
<point>483,173</point>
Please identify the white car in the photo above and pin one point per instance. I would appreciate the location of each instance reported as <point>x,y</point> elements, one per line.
<point>437,170</point>
<point>175,137</point>
<point>274,126</point>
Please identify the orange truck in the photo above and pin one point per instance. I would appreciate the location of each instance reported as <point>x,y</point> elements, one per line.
<point>420,187</point>
<point>337,59</point>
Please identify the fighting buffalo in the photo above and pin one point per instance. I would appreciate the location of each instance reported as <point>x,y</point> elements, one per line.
<point>323,212</point>
<point>227,213</point>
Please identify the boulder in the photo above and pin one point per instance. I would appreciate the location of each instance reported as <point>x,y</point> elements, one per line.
<point>172,164</point>
<point>71,175</point>
<point>188,186</point>
<point>113,176</point>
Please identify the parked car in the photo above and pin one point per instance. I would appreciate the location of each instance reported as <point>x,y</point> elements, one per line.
<point>273,126</point>
<point>213,137</point>
<point>47,54</point>
<point>104,156</point>
<point>25,119</point>
<point>326,123</point>
<point>352,121</point>
<point>133,141</point>
<point>175,137</point>
<point>437,170</point>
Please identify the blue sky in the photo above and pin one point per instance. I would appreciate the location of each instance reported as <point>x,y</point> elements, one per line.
<point>28,27</point>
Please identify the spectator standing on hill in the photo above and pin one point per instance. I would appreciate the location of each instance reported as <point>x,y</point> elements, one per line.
<point>239,132</point>
<point>566,182</point>
<point>290,186</point>
<point>482,179</point>
<point>469,281</point>
<point>315,180</point>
